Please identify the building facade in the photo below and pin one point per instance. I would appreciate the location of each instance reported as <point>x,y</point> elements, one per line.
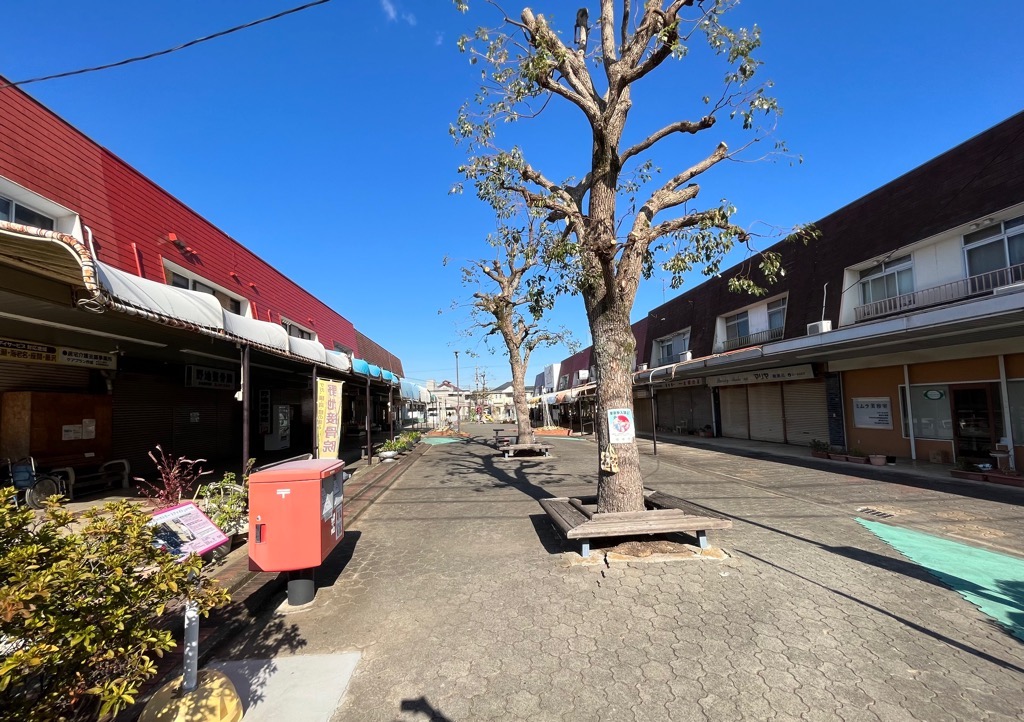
<point>899,330</point>
<point>136,322</point>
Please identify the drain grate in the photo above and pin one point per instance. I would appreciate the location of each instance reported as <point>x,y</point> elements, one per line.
<point>875,512</point>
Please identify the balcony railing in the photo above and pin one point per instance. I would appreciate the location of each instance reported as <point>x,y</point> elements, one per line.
<point>753,339</point>
<point>980,285</point>
<point>673,359</point>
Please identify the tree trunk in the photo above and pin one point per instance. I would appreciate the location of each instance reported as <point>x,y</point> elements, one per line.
<point>614,351</point>
<point>519,398</point>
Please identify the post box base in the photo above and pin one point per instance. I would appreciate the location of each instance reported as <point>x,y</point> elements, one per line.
<point>301,587</point>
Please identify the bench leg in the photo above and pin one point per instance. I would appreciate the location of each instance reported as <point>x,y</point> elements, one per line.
<point>584,547</point>
<point>702,539</point>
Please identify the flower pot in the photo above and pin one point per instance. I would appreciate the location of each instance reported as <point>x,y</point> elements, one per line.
<point>877,459</point>
<point>387,455</point>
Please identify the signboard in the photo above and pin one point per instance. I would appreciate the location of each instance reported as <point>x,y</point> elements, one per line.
<point>680,383</point>
<point>765,376</point>
<point>202,377</point>
<point>328,418</point>
<point>872,412</point>
<point>621,429</point>
<point>184,529</point>
<point>26,351</point>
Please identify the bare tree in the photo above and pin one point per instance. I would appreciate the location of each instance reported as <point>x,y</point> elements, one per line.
<point>616,217</point>
<point>513,293</point>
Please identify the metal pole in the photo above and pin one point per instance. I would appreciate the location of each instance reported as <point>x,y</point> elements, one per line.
<point>458,398</point>
<point>246,407</point>
<point>910,416</point>
<point>391,411</point>
<point>369,438</point>
<point>654,420</point>
<point>191,644</point>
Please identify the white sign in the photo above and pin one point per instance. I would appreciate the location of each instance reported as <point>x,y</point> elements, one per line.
<point>183,530</point>
<point>872,412</point>
<point>620,426</point>
<point>70,432</point>
<point>88,428</point>
<point>784,373</point>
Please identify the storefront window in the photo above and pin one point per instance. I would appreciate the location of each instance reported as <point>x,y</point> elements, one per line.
<point>932,417</point>
<point>1015,390</point>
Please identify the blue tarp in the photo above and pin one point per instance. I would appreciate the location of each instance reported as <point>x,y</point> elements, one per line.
<point>360,366</point>
<point>388,376</point>
<point>374,371</point>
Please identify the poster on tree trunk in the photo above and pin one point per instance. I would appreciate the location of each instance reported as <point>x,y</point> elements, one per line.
<point>620,426</point>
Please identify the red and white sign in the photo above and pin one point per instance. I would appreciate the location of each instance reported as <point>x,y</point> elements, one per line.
<point>184,529</point>
<point>620,426</point>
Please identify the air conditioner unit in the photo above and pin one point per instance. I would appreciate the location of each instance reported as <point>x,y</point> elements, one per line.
<point>1012,288</point>
<point>584,374</point>
<point>685,356</point>
<point>818,327</point>
<point>641,367</point>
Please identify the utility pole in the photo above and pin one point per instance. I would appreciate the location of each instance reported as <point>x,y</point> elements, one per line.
<point>458,405</point>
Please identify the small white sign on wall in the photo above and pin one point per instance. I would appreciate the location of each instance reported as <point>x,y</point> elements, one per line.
<point>872,412</point>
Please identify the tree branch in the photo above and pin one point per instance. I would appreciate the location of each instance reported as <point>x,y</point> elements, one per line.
<point>682,126</point>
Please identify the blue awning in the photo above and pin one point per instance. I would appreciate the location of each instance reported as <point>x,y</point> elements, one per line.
<point>410,390</point>
<point>360,366</point>
<point>374,371</point>
<point>388,376</point>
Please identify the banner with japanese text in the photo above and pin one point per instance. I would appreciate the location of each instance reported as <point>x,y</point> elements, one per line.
<point>328,418</point>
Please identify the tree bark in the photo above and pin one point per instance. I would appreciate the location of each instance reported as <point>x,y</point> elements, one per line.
<point>519,398</point>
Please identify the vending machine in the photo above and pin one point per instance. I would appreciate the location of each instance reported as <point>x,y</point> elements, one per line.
<point>280,436</point>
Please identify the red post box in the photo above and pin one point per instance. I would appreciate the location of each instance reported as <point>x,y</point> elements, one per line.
<point>295,513</point>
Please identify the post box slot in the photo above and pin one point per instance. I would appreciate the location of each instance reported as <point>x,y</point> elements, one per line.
<point>260,533</point>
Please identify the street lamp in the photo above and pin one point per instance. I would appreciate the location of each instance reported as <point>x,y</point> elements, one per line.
<point>458,397</point>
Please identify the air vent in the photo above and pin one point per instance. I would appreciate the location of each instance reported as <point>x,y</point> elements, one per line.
<point>817,327</point>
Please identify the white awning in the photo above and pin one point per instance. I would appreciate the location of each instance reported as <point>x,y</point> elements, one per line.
<point>177,304</point>
<point>263,333</point>
<point>339,360</point>
<point>312,350</point>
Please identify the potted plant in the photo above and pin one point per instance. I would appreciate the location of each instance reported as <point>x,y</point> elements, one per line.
<point>819,448</point>
<point>856,456</point>
<point>877,459</point>
<point>965,469</point>
<point>389,450</point>
<point>226,502</point>
<point>838,455</point>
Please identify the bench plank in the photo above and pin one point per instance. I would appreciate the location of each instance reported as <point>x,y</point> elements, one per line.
<point>510,450</point>
<point>564,514</point>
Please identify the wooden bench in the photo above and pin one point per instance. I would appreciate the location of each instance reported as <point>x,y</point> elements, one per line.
<point>504,436</point>
<point>509,450</point>
<point>577,518</point>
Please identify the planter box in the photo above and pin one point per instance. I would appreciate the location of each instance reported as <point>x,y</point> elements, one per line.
<point>820,454</point>
<point>969,475</point>
<point>836,457</point>
<point>857,459</point>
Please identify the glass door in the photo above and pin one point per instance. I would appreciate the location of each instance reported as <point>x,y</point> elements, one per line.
<point>975,422</point>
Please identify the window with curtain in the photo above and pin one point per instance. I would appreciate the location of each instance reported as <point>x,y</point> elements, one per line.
<point>999,246</point>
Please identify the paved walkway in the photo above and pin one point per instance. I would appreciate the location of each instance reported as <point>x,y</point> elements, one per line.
<point>464,605</point>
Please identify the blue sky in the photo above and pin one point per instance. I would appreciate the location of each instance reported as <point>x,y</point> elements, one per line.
<point>321,140</point>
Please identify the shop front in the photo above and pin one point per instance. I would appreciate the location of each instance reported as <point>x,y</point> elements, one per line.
<point>953,411</point>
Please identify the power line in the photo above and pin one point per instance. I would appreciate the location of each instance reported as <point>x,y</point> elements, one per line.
<point>168,51</point>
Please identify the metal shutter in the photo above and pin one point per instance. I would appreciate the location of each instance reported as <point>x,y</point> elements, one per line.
<point>733,400</point>
<point>642,415</point>
<point>700,404</point>
<point>806,411</point>
<point>143,406</point>
<point>41,377</point>
<point>765,410</point>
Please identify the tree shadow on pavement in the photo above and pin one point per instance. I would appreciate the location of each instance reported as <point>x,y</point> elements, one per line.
<point>420,706</point>
<point>902,620</point>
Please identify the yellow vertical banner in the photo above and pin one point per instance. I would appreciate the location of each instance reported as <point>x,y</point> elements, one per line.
<point>328,418</point>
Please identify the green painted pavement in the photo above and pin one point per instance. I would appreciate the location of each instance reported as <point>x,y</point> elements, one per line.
<point>436,440</point>
<point>991,581</point>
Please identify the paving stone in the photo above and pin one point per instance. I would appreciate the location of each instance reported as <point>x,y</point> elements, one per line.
<point>456,591</point>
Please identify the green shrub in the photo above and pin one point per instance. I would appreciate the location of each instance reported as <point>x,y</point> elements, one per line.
<point>226,501</point>
<point>80,608</point>
<point>819,445</point>
<point>391,445</point>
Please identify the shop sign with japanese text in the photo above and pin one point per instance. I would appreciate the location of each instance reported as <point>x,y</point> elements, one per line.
<point>874,412</point>
<point>765,376</point>
<point>202,377</point>
<point>26,351</point>
<point>328,418</point>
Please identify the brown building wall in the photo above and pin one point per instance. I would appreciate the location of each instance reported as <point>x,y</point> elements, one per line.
<point>1015,368</point>
<point>962,371</point>
<point>875,382</point>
